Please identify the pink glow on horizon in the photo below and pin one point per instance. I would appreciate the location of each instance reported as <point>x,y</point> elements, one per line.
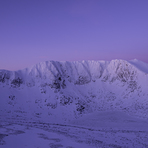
<point>35,31</point>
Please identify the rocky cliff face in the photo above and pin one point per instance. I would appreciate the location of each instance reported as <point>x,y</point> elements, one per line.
<point>70,89</point>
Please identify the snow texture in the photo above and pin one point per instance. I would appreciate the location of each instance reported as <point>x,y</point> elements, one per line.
<point>75,104</point>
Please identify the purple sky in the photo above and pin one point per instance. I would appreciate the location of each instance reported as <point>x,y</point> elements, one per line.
<point>68,30</point>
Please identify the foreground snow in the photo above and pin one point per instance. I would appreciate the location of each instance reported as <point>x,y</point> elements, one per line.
<point>100,129</point>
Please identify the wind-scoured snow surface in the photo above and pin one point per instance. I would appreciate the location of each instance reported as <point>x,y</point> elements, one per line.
<point>75,104</point>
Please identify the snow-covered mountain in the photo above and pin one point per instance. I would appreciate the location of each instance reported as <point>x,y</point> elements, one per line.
<point>55,90</point>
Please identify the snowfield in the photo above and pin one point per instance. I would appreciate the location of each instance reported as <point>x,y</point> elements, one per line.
<point>79,104</point>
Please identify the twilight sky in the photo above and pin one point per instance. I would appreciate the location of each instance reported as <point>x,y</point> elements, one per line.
<point>68,30</point>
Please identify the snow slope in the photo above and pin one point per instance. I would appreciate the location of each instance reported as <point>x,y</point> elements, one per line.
<point>70,89</point>
<point>140,65</point>
<point>95,130</point>
<point>75,104</point>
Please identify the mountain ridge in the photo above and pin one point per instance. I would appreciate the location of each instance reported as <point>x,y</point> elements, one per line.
<point>71,89</point>
<point>49,65</point>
